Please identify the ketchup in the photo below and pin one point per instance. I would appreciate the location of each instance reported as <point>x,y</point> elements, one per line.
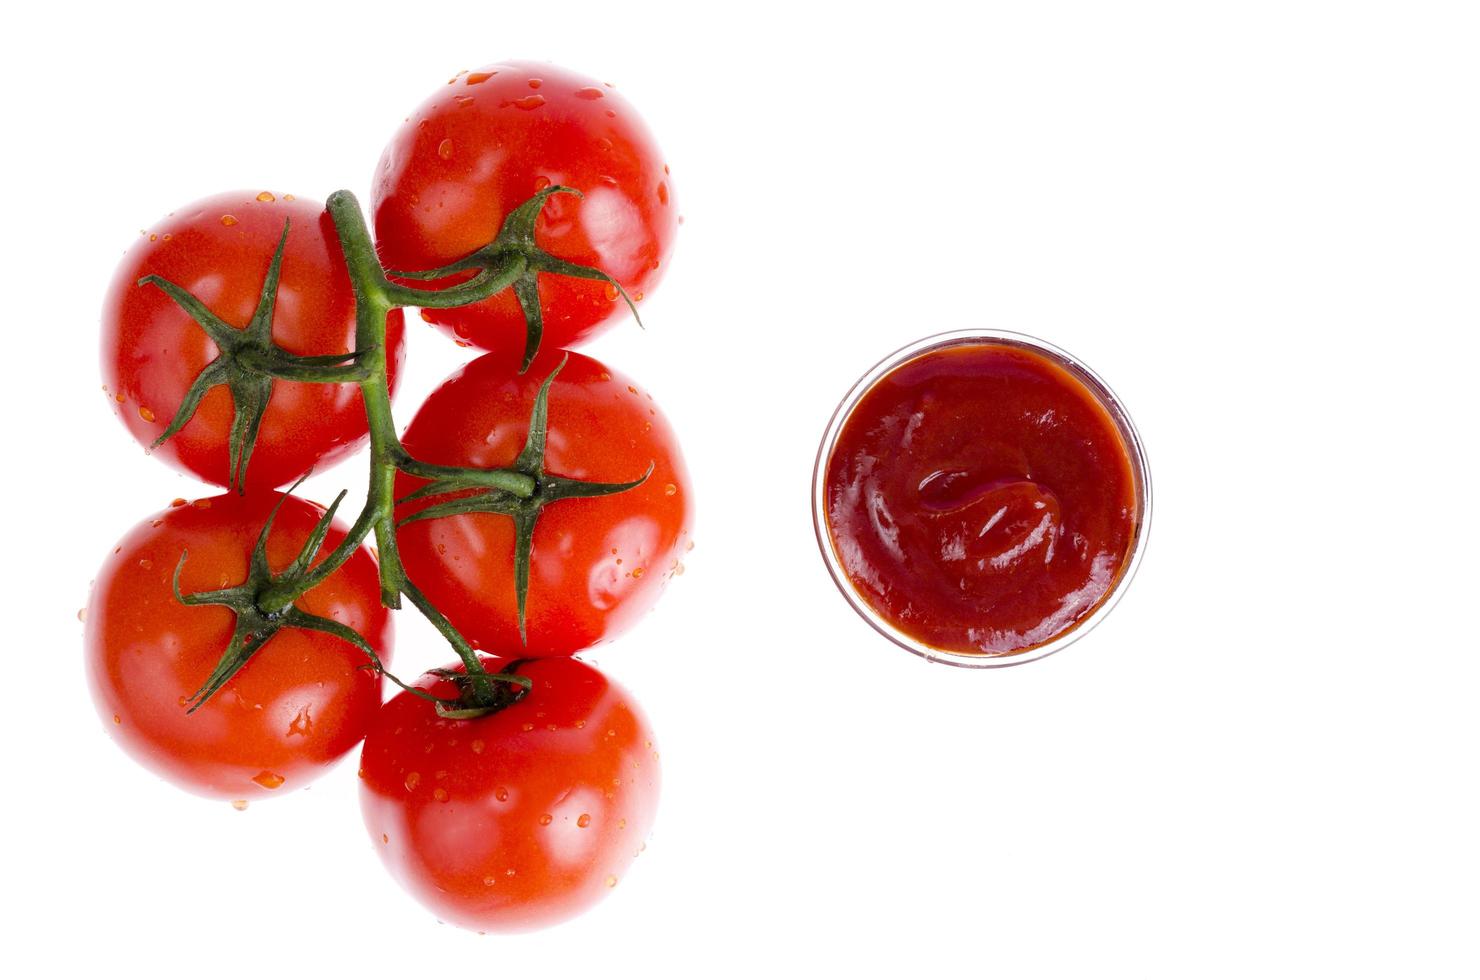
<point>982,498</point>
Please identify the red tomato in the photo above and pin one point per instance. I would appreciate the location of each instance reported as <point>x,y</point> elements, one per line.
<point>598,563</point>
<point>298,705</point>
<point>518,819</point>
<point>488,141</point>
<point>219,250</point>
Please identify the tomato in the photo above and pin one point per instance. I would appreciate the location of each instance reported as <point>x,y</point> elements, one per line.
<point>484,144</point>
<point>514,820</point>
<point>219,250</point>
<point>598,563</point>
<point>298,705</point>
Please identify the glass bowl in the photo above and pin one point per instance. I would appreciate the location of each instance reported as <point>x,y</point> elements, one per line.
<point>1140,469</point>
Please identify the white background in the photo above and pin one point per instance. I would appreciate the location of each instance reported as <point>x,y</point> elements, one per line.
<point>1259,221</point>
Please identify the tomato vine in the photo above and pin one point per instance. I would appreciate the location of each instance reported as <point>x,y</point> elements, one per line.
<point>249,363</point>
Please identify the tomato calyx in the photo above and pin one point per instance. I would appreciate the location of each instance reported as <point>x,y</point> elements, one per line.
<point>525,511</point>
<point>514,254</point>
<point>512,689</point>
<point>261,609</point>
<point>248,364</point>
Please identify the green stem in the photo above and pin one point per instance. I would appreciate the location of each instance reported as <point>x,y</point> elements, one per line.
<point>374,299</point>
<point>511,480</point>
<point>485,284</point>
<point>482,681</point>
<point>372,305</point>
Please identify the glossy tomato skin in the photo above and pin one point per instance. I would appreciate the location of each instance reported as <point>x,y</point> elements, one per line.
<point>516,820</point>
<point>598,564</point>
<point>486,142</point>
<point>219,249</point>
<point>294,709</point>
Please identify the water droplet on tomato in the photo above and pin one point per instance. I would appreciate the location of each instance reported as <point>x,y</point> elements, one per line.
<point>268,780</point>
<point>477,746</point>
<point>228,220</point>
<point>117,720</point>
<point>444,149</point>
<point>426,317</point>
<point>146,564</point>
<point>670,489</point>
<point>238,805</point>
<point>611,880</point>
<point>479,77</point>
<point>526,727</point>
<point>527,103</point>
<point>662,193</point>
<point>385,838</point>
<point>582,722</point>
<point>119,398</point>
<point>584,820</point>
<point>541,182</point>
<point>146,414</point>
<point>439,794</point>
<point>545,819</point>
<point>463,101</point>
<point>266,197</point>
<point>590,93</point>
<point>412,778</point>
<point>178,502</point>
<point>622,824</point>
<point>489,880</point>
<point>536,82</point>
<point>82,615</point>
<point>289,197</point>
<point>203,503</point>
<point>501,794</point>
<point>154,238</point>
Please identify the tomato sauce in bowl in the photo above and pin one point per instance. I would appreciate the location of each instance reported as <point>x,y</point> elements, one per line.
<point>981,499</point>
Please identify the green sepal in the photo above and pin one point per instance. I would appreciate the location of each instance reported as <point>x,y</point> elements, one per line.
<point>493,262</point>
<point>258,616</point>
<point>247,365</point>
<point>524,511</point>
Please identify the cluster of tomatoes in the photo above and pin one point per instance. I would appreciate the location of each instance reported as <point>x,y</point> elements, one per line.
<point>237,644</point>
